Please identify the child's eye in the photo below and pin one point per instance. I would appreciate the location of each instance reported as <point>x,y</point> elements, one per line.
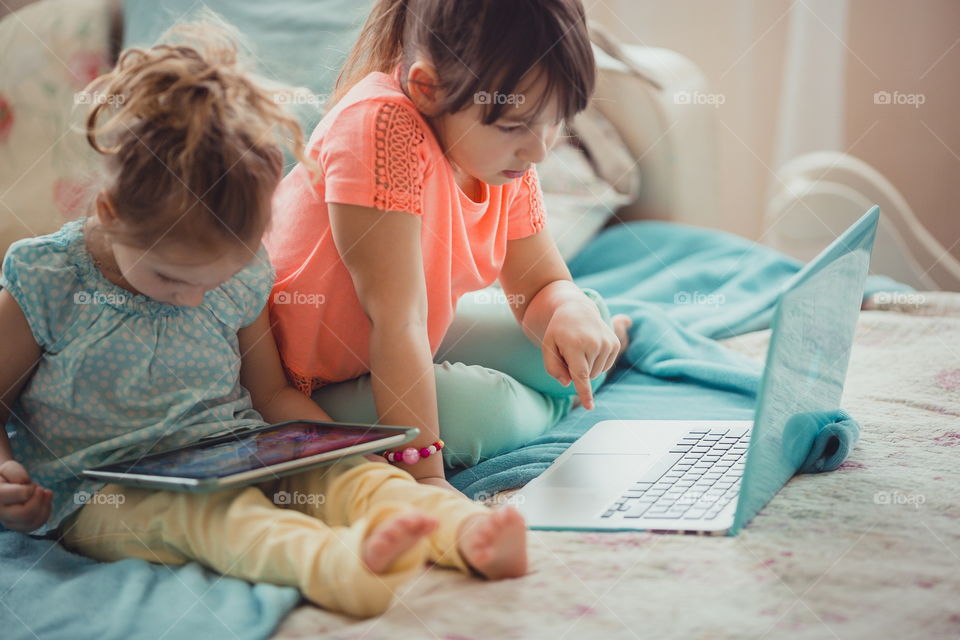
<point>509,129</point>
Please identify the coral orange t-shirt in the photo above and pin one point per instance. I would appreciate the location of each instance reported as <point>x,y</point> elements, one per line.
<point>376,150</point>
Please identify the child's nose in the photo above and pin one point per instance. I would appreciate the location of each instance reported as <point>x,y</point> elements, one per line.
<point>535,150</point>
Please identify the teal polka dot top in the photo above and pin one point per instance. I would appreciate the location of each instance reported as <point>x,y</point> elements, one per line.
<point>121,374</point>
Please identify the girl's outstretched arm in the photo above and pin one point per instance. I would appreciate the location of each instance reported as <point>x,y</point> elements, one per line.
<point>381,249</point>
<point>24,506</point>
<point>556,315</point>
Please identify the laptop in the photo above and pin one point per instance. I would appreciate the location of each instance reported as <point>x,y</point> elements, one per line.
<point>713,476</point>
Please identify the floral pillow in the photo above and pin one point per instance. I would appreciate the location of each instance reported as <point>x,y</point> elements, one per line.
<point>51,50</point>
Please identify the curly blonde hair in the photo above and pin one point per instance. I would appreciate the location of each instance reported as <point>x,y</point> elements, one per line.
<point>193,142</point>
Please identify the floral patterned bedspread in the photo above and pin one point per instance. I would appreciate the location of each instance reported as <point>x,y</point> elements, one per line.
<point>871,550</point>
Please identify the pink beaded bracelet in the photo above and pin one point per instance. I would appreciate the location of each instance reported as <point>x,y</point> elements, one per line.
<point>411,455</point>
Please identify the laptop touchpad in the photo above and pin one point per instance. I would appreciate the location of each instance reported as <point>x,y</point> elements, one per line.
<point>597,470</point>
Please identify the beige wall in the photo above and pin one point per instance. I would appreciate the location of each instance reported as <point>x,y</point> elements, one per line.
<point>913,48</point>
<point>891,45</point>
<point>12,5</point>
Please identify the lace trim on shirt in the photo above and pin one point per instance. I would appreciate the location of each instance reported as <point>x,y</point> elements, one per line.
<point>399,180</point>
<point>305,384</point>
<point>536,200</point>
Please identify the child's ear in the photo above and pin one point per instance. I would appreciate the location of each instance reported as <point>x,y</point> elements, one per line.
<point>423,87</point>
<point>106,213</point>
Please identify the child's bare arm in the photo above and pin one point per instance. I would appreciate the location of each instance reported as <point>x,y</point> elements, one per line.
<point>24,506</point>
<point>556,315</point>
<point>262,375</point>
<point>381,249</point>
<point>21,353</point>
<point>531,266</point>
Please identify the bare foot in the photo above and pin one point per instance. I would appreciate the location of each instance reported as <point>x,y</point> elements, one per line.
<point>392,537</point>
<point>621,325</point>
<point>495,543</point>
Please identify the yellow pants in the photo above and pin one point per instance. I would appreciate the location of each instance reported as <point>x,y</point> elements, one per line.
<point>304,530</point>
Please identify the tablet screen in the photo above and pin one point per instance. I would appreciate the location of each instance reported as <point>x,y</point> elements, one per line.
<point>247,451</point>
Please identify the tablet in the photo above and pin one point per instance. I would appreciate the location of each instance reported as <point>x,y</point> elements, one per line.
<point>248,456</point>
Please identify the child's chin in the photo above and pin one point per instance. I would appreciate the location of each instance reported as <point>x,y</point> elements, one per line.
<point>498,180</point>
<point>164,300</point>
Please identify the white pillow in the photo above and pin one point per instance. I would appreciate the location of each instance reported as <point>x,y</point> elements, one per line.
<point>577,197</point>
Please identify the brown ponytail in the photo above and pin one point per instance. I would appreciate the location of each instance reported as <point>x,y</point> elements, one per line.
<point>379,47</point>
<point>193,142</point>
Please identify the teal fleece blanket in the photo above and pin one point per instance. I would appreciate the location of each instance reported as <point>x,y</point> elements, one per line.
<point>47,592</point>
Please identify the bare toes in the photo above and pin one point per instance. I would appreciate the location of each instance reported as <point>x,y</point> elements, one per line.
<point>494,544</point>
<point>393,537</point>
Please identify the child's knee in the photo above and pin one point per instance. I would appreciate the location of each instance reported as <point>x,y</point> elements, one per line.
<point>484,412</point>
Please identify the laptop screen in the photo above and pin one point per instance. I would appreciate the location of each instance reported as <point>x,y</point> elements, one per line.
<point>812,334</point>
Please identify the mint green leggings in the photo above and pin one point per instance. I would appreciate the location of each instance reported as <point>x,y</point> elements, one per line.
<point>493,392</point>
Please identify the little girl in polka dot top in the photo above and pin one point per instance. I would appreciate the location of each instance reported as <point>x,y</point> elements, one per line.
<point>144,327</point>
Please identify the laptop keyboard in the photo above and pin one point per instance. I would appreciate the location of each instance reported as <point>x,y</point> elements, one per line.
<point>700,477</point>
